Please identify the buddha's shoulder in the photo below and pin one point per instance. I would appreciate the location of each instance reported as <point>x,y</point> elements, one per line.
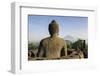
<point>48,39</point>
<point>45,39</point>
<point>59,38</point>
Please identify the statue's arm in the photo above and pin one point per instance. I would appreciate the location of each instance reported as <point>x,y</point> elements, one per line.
<point>40,52</point>
<point>39,49</point>
<point>64,49</point>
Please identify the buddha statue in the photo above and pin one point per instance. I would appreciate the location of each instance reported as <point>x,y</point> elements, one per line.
<point>52,47</point>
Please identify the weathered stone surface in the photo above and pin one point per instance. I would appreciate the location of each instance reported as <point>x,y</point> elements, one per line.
<point>53,46</point>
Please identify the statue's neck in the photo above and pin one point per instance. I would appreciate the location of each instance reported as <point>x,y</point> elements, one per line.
<point>54,35</point>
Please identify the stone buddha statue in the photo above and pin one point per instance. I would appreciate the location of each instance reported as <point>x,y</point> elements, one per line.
<point>52,47</point>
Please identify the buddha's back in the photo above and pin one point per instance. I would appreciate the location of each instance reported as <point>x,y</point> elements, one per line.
<point>53,47</point>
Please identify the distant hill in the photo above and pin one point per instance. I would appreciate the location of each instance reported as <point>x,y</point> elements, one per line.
<point>70,38</point>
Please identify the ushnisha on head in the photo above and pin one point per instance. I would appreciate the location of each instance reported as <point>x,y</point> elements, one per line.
<point>53,28</point>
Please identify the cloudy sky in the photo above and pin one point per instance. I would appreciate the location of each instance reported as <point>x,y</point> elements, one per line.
<point>69,25</point>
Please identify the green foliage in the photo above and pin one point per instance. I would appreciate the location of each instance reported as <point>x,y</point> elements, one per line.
<point>69,44</point>
<point>32,46</point>
<point>79,44</point>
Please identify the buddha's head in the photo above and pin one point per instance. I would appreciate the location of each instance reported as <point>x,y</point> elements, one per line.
<point>53,28</point>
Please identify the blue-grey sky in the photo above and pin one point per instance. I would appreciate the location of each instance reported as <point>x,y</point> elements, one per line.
<point>69,25</point>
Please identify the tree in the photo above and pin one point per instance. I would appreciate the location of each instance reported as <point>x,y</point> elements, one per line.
<point>80,44</point>
<point>32,46</point>
<point>69,44</point>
